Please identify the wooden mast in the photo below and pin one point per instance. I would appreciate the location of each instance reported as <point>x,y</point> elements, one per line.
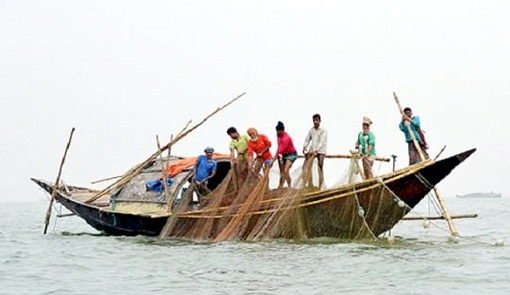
<point>447,216</point>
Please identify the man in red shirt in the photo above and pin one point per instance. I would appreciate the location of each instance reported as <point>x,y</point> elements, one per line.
<point>288,154</point>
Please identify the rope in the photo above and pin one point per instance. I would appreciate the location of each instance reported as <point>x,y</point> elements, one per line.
<point>424,181</point>
<point>396,198</point>
<point>365,223</point>
<point>433,201</point>
<point>426,219</point>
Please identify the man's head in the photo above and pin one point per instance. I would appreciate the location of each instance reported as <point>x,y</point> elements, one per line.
<point>366,127</point>
<point>280,128</point>
<point>408,112</point>
<point>366,124</point>
<point>252,132</point>
<point>316,120</point>
<point>209,152</point>
<point>232,132</point>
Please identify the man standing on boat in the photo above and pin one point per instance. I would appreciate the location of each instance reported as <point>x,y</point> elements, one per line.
<point>414,155</point>
<point>286,154</point>
<point>205,169</point>
<point>315,147</point>
<point>239,148</point>
<point>366,140</point>
<point>259,144</point>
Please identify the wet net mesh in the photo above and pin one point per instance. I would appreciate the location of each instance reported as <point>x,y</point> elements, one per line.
<point>256,210</point>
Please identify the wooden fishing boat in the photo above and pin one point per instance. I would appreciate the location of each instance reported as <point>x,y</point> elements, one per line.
<point>360,210</point>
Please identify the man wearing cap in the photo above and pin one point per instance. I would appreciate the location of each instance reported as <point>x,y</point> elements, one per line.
<point>315,146</point>
<point>205,169</point>
<point>288,154</point>
<point>239,146</point>
<point>366,140</point>
<point>414,155</point>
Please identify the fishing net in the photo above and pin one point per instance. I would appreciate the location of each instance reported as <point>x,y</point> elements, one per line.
<point>258,210</point>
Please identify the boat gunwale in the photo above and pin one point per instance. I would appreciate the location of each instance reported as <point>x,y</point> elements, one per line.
<point>314,198</point>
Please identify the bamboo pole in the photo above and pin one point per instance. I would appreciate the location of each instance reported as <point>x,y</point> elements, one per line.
<point>140,167</point>
<point>447,216</point>
<point>164,172</point>
<point>55,186</point>
<point>333,156</point>
<point>169,198</point>
<point>106,179</point>
<point>408,125</point>
<point>461,216</point>
<point>340,156</point>
<point>440,152</point>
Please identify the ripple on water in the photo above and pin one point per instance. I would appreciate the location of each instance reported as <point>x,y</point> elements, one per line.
<point>75,259</point>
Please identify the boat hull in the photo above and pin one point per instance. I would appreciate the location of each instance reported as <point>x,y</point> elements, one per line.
<point>362,210</point>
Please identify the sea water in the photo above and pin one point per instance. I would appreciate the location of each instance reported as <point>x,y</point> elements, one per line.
<point>73,258</point>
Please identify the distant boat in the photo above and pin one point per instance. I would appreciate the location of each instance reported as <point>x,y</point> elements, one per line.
<point>480,195</point>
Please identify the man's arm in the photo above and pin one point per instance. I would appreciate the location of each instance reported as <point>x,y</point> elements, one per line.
<point>213,172</point>
<point>267,143</point>
<point>402,126</point>
<point>211,175</point>
<point>308,138</point>
<point>232,155</point>
<point>282,146</point>
<point>415,122</point>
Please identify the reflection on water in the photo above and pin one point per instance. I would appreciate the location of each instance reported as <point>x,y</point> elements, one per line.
<point>75,259</point>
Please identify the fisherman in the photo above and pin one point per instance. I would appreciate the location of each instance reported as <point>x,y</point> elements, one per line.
<point>315,147</point>
<point>205,169</point>
<point>239,152</point>
<point>414,156</point>
<point>286,154</point>
<point>366,139</point>
<point>259,144</point>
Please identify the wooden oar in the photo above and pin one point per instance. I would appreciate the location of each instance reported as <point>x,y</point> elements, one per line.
<point>55,185</point>
<point>447,216</point>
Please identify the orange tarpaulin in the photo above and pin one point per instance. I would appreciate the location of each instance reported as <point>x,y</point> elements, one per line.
<point>178,166</point>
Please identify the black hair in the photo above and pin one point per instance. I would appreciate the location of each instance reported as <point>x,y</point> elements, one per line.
<point>316,116</point>
<point>280,126</point>
<point>231,130</point>
<point>407,109</point>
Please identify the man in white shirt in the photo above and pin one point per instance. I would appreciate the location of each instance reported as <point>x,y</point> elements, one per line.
<point>315,147</point>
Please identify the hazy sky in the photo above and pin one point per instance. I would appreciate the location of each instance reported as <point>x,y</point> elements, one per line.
<point>123,71</point>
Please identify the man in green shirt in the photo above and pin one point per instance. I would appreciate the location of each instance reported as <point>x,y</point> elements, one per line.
<point>366,139</point>
<point>239,148</point>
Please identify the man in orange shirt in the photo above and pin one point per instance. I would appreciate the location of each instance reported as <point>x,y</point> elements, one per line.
<point>260,145</point>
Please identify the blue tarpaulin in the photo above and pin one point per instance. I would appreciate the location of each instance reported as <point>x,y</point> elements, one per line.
<point>157,185</point>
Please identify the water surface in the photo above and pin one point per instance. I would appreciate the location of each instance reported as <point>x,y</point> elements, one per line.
<point>73,258</point>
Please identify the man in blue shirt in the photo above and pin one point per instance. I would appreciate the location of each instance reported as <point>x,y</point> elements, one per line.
<point>414,156</point>
<point>205,167</point>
